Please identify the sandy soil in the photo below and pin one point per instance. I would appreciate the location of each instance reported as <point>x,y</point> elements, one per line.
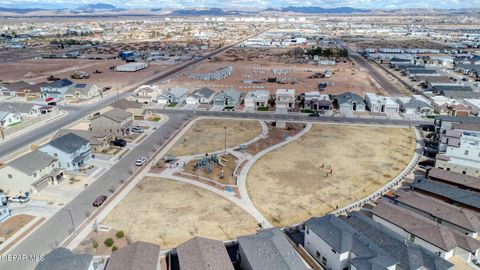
<point>208,135</point>
<point>38,71</point>
<point>290,184</point>
<point>230,163</point>
<point>94,243</point>
<point>347,77</point>
<point>10,226</point>
<point>180,212</point>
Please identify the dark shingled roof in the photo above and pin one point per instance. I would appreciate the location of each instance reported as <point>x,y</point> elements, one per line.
<point>137,256</point>
<point>464,218</point>
<point>409,255</point>
<point>64,259</point>
<point>437,235</point>
<point>69,143</point>
<point>466,197</point>
<point>203,254</point>
<point>344,238</point>
<point>457,179</point>
<point>270,249</point>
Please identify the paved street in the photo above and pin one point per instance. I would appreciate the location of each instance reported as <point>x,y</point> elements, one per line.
<point>59,226</point>
<point>299,117</point>
<point>389,87</point>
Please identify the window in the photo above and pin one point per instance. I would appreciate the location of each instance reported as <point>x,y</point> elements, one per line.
<point>466,152</point>
<point>464,172</point>
<point>34,174</point>
<point>307,231</point>
<point>412,237</point>
<point>333,250</point>
<point>318,255</point>
<point>324,261</point>
<point>55,154</point>
<point>10,176</point>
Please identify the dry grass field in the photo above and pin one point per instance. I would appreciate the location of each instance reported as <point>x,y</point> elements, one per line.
<point>208,135</point>
<point>290,184</point>
<point>169,213</point>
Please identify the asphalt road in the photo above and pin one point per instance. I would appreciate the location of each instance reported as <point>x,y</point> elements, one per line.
<point>389,87</point>
<point>77,112</point>
<point>297,117</point>
<point>59,226</point>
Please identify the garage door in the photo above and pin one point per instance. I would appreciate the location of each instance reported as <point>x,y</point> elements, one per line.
<point>41,184</point>
<point>391,111</point>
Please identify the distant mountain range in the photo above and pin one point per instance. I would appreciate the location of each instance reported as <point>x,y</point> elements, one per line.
<point>105,8</point>
<point>98,6</point>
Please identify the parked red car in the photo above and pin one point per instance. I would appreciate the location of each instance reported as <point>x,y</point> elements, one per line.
<point>99,200</point>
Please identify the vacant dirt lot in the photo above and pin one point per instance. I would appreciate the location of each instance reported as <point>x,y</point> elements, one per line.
<point>291,184</point>
<point>169,212</point>
<point>208,135</point>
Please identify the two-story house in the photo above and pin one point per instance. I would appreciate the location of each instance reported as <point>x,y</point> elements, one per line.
<point>30,173</point>
<point>82,91</point>
<point>115,121</point>
<point>55,90</point>
<point>284,100</point>
<point>71,150</point>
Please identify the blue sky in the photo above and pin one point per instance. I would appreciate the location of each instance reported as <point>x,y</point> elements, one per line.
<point>369,4</point>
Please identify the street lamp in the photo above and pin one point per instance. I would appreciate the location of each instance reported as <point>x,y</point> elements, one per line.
<point>225,128</point>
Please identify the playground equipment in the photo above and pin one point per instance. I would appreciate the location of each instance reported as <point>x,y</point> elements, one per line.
<point>209,161</point>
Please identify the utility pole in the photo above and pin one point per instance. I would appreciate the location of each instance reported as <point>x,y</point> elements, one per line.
<point>71,215</point>
<point>225,128</point>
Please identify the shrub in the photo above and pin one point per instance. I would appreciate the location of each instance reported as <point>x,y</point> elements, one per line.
<point>114,248</point>
<point>109,242</point>
<point>94,244</point>
<point>120,234</point>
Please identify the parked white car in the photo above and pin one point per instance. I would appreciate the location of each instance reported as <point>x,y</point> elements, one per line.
<point>137,130</point>
<point>140,161</point>
<point>19,199</point>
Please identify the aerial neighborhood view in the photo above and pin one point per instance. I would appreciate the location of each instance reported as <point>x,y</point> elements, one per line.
<point>239,135</point>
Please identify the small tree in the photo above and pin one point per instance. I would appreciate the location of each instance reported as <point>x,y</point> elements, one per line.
<point>94,244</point>
<point>109,242</point>
<point>120,234</point>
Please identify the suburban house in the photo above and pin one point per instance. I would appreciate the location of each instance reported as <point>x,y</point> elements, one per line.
<point>317,102</point>
<point>12,89</point>
<point>115,121</point>
<point>55,90</point>
<point>441,89</point>
<point>136,109</point>
<point>99,141</point>
<point>455,179</point>
<point>227,98</point>
<point>447,193</point>
<point>458,109</point>
<point>439,239</point>
<point>82,91</point>
<point>381,104</point>
<point>461,220</point>
<point>24,109</point>
<point>203,95</point>
<point>64,259</point>
<point>146,94</point>
<point>441,104</point>
<point>415,105</point>
<point>446,122</point>
<point>201,253</point>
<point>30,173</point>
<point>136,256</point>
<point>173,95</point>
<point>349,102</point>
<point>473,105</point>
<point>256,99</point>
<point>409,255</point>
<point>72,151</point>
<point>462,154</point>
<point>284,100</point>
<point>9,118</point>
<point>268,249</point>
<point>337,246</point>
